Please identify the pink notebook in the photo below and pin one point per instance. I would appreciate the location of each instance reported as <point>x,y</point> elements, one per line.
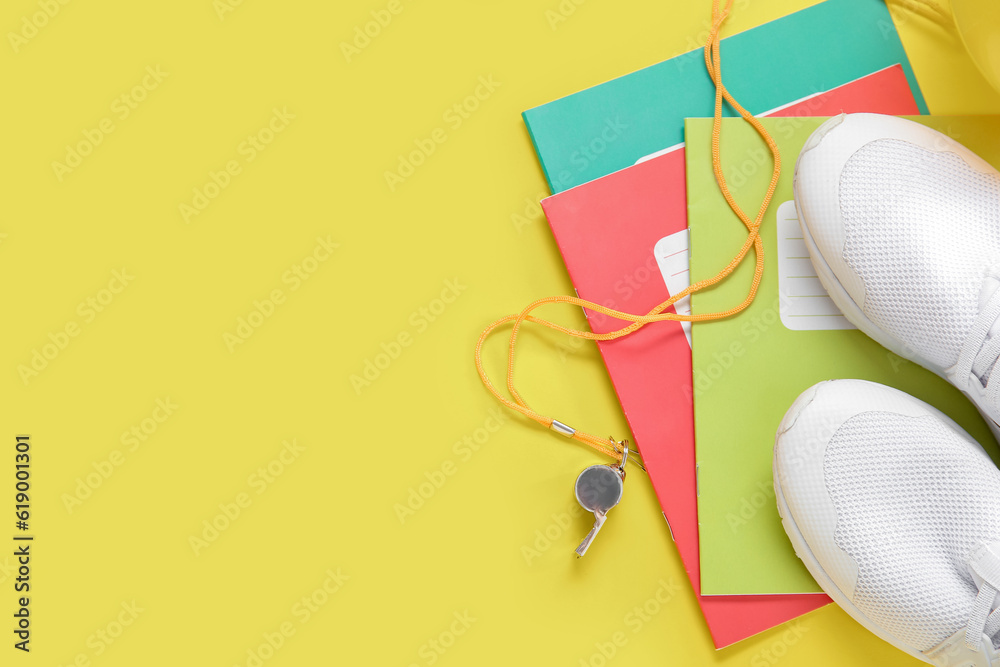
<point>623,238</point>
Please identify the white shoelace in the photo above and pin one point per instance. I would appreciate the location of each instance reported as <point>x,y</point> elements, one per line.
<point>983,621</point>
<point>980,353</point>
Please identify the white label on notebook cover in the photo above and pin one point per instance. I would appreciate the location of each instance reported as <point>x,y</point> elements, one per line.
<point>804,302</point>
<point>671,254</point>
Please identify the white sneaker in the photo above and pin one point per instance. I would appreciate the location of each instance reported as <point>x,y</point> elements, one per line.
<point>903,227</point>
<point>895,511</point>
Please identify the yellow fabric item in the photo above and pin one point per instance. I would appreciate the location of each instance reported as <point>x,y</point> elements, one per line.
<point>978,23</point>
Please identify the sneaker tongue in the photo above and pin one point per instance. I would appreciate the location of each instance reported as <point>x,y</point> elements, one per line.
<point>990,285</point>
<point>986,292</point>
<point>984,563</point>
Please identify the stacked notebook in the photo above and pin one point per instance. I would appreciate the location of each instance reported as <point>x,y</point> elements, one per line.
<point>630,198</point>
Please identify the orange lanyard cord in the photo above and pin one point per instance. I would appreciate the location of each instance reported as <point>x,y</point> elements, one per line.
<point>714,66</point>
<point>603,446</point>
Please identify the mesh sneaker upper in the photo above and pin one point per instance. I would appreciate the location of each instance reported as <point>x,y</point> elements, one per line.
<point>921,229</point>
<point>913,498</point>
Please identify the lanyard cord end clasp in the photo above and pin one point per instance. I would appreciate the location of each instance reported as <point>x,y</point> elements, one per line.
<point>562,429</point>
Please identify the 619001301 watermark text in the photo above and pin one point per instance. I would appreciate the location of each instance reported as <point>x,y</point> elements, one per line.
<point>22,542</point>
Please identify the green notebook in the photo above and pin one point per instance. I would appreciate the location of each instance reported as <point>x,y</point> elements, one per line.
<point>749,369</point>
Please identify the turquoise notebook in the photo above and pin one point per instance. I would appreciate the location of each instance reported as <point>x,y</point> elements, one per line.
<point>608,127</point>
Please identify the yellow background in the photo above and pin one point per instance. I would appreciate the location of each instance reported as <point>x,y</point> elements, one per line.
<point>334,507</point>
